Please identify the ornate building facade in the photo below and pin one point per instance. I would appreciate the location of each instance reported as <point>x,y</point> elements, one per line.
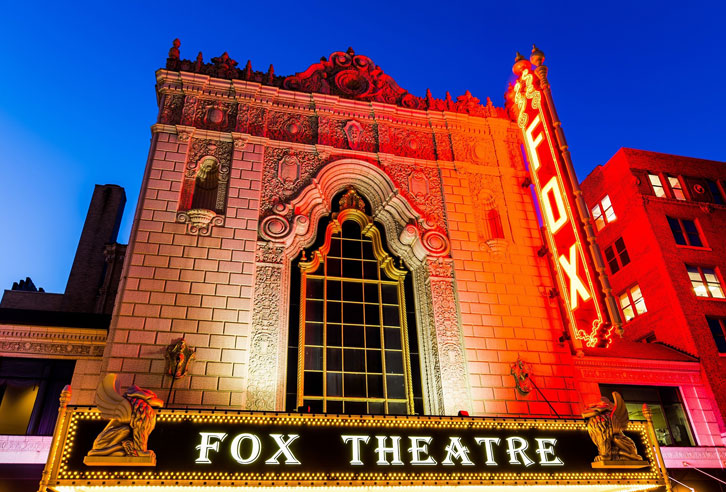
<point>327,242</point>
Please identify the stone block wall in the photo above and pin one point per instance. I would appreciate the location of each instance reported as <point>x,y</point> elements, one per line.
<point>183,284</point>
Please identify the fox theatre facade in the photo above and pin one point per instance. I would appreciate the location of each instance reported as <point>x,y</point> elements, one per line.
<point>331,282</point>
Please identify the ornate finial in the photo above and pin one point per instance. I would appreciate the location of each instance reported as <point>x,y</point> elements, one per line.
<point>174,51</point>
<point>198,64</point>
<point>271,74</point>
<point>304,256</point>
<point>248,70</point>
<point>350,51</point>
<point>520,64</point>
<point>537,58</point>
<point>351,200</point>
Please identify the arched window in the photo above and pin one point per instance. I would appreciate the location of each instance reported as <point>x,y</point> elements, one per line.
<point>353,345</point>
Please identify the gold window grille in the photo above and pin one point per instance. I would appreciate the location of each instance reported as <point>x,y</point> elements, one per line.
<point>353,354</point>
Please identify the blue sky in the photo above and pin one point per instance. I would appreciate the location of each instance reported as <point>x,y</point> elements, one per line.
<point>77,86</point>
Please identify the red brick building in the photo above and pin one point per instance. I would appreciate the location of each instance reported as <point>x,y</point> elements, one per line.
<point>661,223</point>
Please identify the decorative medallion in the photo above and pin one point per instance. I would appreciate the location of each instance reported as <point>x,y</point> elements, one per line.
<point>353,132</point>
<point>288,171</point>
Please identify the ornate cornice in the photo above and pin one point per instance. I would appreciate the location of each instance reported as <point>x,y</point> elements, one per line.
<point>52,342</point>
<point>343,74</point>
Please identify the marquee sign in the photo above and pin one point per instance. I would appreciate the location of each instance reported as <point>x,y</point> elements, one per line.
<point>290,449</point>
<point>555,187</point>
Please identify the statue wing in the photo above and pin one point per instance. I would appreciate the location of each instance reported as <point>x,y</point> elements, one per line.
<point>110,402</point>
<point>620,414</point>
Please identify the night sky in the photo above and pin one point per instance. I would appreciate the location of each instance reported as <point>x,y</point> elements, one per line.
<point>77,87</point>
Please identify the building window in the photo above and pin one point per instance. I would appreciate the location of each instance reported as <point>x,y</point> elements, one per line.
<point>616,255</point>
<point>718,330</point>
<point>356,349</point>
<point>603,213</point>
<point>716,193</point>
<point>705,282</point>
<point>669,417</point>
<point>29,392</point>
<point>657,185</point>
<point>676,188</point>
<point>632,303</point>
<point>685,232</point>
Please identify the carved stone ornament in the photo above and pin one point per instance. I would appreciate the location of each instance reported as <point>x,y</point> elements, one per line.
<point>343,74</point>
<point>605,423</point>
<point>353,133</point>
<point>521,372</point>
<point>179,356</point>
<point>132,415</point>
<point>288,171</point>
<point>200,220</point>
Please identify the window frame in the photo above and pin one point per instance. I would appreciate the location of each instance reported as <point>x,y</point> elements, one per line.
<point>617,256</point>
<point>632,303</point>
<point>704,283</point>
<point>660,186</point>
<point>386,268</point>
<point>606,389</point>
<point>685,234</point>
<point>677,192</point>
<point>720,338</point>
<point>601,214</point>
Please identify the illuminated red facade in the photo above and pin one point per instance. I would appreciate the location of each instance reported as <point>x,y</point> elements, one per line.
<point>670,218</point>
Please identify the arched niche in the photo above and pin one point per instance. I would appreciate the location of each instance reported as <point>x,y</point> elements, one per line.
<point>424,248</point>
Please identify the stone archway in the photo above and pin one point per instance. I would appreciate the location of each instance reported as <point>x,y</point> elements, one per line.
<point>424,248</point>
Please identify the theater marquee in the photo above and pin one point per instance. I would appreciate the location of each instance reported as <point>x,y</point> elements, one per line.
<point>232,449</point>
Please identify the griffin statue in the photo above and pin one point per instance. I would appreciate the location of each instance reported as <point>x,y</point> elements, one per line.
<point>606,422</point>
<point>132,419</point>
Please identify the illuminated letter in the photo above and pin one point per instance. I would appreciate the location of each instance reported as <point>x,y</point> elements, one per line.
<point>420,445</point>
<point>205,446</point>
<point>356,440</point>
<point>394,450</point>
<point>518,450</point>
<point>545,448</point>
<point>487,441</point>
<point>456,450</point>
<point>283,449</point>
<point>576,286</point>
<point>254,452</point>
<point>553,224</point>
<point>533,143</point>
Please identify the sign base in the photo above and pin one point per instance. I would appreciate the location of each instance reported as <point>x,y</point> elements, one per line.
<point>120,460</point>
<point>620,464</point>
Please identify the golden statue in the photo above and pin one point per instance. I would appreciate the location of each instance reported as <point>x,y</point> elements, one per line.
<point>606,422</point>
<point>125,438</point>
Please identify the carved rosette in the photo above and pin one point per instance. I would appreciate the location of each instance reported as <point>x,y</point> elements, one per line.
<point>406,142</point>
<point>348,134</point>
<point>292,127</point>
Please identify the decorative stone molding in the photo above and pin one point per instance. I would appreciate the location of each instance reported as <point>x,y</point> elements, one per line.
<point>199,220</point>
<point>291,226</point>
<point>52,342</point>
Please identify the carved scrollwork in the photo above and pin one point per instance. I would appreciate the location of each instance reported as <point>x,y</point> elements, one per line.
<point>199,221</point>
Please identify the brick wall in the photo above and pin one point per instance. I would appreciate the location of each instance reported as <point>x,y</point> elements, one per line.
<point>179,284</point>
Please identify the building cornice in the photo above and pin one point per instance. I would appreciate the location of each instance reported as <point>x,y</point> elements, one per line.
<point>51,342</point>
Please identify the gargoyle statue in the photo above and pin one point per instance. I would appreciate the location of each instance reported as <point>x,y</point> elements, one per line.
<point>132,419</point>
<point>605,423</point>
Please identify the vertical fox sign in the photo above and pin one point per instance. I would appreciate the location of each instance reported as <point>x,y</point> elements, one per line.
<point>564,213</point>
